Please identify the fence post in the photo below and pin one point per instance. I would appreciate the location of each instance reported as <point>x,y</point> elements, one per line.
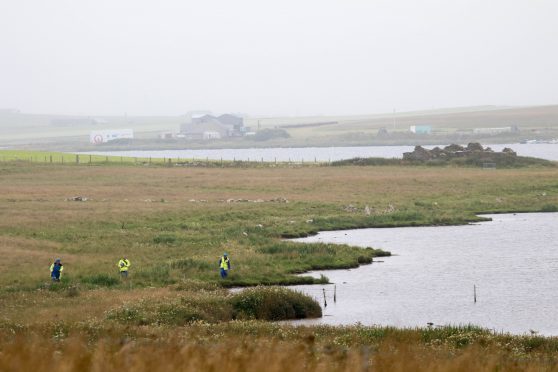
<point>77,159</point>
<point>335,293</point>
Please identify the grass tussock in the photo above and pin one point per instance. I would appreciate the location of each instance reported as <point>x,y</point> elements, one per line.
<point>274,303</point>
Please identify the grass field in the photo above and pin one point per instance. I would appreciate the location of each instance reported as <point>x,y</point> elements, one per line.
<point>173,223</point>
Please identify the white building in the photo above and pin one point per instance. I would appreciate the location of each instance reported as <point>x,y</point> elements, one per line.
<point>103,136</point>
<point>211,135</point>
<point>493,130</point>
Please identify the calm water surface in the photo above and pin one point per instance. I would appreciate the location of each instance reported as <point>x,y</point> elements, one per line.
<point>321,154</point>
<point>512,260</point>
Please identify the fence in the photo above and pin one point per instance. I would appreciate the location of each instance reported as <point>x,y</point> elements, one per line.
<point>81,159</point>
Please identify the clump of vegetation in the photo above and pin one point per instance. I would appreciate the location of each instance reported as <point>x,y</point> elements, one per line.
<point>274,303</point>
<point>549,208</point>
<point>214,304</point>
<point>102,280</point>
<point>165,239</point>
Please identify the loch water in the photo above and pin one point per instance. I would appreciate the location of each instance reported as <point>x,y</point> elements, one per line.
<point>512,261</point>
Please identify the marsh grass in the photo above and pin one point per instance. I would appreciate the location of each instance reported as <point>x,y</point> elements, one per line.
<point>256,346</point>
<point>174,299</point>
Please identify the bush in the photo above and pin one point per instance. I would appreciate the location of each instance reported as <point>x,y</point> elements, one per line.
<point>274,303</point>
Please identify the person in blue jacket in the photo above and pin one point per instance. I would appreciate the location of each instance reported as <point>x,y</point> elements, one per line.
<point>56,270</point>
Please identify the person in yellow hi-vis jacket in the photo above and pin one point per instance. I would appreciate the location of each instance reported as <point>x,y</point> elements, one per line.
<point>124,265</point>
<point>56,270</point>
<point>224,265</point>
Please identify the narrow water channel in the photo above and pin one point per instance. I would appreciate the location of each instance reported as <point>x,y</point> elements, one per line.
<point>512,261</point>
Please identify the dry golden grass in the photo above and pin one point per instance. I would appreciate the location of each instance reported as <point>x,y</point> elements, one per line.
<point>179,353</point>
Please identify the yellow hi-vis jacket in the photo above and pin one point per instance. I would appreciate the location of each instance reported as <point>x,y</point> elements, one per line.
<point>225,263</point>
<point>124,264</point>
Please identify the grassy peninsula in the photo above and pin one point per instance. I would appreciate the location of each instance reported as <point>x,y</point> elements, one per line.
<point>173,223</point>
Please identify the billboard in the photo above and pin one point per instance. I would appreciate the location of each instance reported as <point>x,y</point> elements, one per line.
<point>103,136</point>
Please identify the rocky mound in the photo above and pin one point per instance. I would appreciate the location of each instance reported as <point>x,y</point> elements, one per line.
<point>471,151</point>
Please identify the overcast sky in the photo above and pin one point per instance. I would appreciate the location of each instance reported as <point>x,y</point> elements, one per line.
<point>275,57</point>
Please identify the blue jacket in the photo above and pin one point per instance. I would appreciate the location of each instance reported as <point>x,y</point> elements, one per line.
<point>55,273</point>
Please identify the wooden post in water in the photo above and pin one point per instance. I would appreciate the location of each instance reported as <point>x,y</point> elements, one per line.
<point>335,293</point>
<point>325,302</point>
<point>475,293</point>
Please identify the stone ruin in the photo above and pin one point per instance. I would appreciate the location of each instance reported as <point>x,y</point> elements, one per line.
<point>472,150</point>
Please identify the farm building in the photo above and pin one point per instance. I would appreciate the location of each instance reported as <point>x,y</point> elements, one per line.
<point>421,129</point>
<point>103,136</point>
<point>213,127</point>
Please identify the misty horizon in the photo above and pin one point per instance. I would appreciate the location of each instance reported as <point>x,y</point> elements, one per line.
<point>330,58</point>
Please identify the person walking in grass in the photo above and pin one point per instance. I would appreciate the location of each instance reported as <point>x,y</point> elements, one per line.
<point>224,265</point>
<point>56,270</point>
<point>123,266</point>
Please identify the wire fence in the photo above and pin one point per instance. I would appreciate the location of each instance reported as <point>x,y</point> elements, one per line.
<point>85,159</point>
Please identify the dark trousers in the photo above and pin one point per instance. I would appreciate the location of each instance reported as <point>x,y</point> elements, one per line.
<point>224,273</point>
